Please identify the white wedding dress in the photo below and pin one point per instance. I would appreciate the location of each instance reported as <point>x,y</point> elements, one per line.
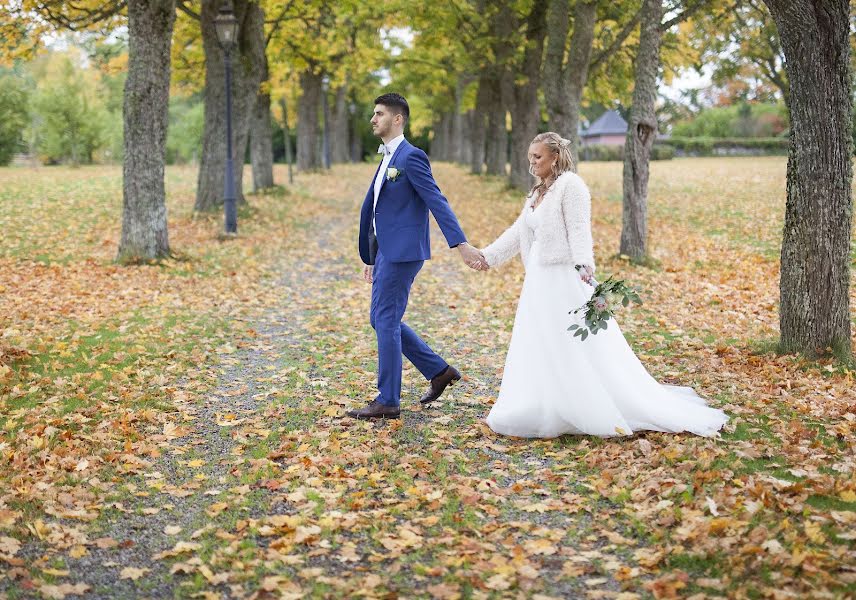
<point>555,383</point>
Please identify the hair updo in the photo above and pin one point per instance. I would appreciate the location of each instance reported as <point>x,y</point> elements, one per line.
<point>559,146</point>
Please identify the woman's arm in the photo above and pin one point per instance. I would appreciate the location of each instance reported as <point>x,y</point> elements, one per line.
<point>576,208</point>
<point>505,247</point>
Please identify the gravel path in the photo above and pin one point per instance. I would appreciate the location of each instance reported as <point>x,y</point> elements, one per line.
<point>199,467</point>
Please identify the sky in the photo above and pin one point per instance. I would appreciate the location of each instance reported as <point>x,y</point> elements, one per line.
<point>688,80</point>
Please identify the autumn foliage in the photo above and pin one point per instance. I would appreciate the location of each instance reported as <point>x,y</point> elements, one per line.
<point>177,429</point>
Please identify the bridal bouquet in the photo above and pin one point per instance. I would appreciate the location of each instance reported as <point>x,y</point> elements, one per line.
<point>601,307</point>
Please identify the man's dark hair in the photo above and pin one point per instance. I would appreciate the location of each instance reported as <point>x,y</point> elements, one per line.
<point>396,103</point>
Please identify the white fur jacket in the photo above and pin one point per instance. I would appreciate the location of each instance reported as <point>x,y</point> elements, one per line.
<point>565,229</point>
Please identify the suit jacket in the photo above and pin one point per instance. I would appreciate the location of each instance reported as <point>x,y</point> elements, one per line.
<point>401,214</point>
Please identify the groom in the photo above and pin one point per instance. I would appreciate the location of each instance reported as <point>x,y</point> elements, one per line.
<point>394,244</point>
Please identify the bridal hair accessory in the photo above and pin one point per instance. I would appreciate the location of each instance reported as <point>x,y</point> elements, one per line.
<point>601,307</point>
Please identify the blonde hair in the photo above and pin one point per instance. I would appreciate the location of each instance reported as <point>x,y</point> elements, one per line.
<point>558,146</point>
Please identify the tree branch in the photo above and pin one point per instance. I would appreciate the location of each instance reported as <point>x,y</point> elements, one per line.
<point>277,22</point>
<point>182,6</point>
<point>604,54</point>
<point>688,12</point>
<point>83,17</point>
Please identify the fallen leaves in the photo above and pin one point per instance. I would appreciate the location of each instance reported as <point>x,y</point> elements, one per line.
<point>58,592</point>
<point>9,546</point>
<point>114,364</point>
<point>133,573</point>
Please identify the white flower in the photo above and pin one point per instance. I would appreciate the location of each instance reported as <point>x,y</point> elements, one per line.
<point>392,174</point>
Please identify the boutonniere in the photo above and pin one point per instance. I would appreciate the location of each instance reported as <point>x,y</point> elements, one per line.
<point>392,173</point>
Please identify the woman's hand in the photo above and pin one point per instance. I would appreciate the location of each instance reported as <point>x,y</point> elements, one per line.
<point>586,273</point>
<point>473,257</point>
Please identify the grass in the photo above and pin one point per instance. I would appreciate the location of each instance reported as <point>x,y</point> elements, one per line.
<point>281,309</point>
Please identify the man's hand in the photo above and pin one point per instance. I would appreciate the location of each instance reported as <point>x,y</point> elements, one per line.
<point>473,257</point>
<point>367,273</point>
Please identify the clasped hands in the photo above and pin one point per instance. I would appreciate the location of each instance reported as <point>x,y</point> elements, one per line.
<point>473,257</point>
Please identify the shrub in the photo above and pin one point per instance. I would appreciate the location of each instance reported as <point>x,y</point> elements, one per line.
<point>616,153</point>
<point>662,152</point>
<point>710,146</point>
<point>739,120</point>
<point>602,152</point>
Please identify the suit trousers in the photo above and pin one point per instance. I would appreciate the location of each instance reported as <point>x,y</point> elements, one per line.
<point>390,292</point>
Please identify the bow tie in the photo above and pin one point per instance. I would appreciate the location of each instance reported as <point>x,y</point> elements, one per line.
<point>383,149</point>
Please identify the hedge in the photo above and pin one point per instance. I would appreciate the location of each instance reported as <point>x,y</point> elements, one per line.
<point>616,153</point>
<point>708,146</point>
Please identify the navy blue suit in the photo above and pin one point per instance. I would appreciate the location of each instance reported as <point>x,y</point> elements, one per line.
<point>401,246</point>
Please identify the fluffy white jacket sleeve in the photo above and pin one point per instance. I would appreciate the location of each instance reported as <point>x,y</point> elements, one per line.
<point>576,209</point>
<point>506,246</point>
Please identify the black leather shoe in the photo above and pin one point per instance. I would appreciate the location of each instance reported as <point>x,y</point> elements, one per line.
<point>375,410</point>
<point>439,383</point>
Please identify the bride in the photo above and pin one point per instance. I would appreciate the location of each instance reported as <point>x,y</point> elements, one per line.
<point>555,383</point>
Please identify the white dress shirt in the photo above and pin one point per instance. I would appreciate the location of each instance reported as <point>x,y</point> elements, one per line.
<point>391,147</point>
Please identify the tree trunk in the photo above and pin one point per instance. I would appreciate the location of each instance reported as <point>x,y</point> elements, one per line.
<point>555,81</point>
<point>308,147</point>
<point>564,82</point>
<point>356,141</point>
<point>339,148</point>
<point>286,133</point>
<point>456,137</point>
<point>815,269</point>
<point>478,129</point>
<point>247,70</point>
<point>497,134</point>
<point>261,134</point>
<point>441,144</point>
<point>525,116</point>
<point>500,94</point>
<point>526,111</point>
<point>261,139</point>
<point>465,151</point>
<point>146,103</point>
<point>641,133</point>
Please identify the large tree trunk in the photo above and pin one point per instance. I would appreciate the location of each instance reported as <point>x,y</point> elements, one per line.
<point>564,82</point>
<point>815,269</point>
<point>478,128</point>
<point>340,126</point>
<point>641,133</point>
<point>496,141</point>
<point>308,146</point>
<point>146,102</point>
<point>500,94</point>
<point>526,111</point>
<point>457,150</point>
<point>261,139</point>
<point>441,144</point>
<point>247,70</point>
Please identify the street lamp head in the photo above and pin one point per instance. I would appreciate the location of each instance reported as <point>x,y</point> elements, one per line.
<point>227,27</point>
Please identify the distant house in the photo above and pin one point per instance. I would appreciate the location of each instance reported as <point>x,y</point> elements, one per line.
<point>609,129</point>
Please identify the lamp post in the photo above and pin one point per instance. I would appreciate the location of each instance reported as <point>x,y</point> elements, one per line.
<point>227,35</point>
<point>325,144</point>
